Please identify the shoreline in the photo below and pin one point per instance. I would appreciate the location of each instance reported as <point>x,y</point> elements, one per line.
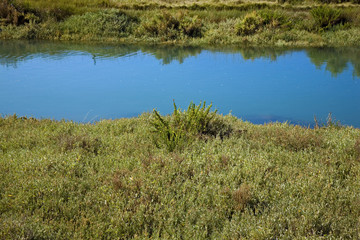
<point>209,24</point>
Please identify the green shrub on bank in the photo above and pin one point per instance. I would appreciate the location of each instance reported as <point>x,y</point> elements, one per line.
<point>326,17</point>
<point>182,126</point>
<point>171,26</point>
<point>256,21</point>
<point>107,23</point>
<point>251,23</point>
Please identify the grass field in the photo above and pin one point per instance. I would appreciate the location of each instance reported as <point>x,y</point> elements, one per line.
<point>191,175</point>
<point>266,23</point>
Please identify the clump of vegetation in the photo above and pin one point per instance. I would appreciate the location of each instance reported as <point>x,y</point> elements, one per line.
<point>181,126</point>
<point>357,149</point>
<point>172,26</point>
<point>326,17</point>
<point>251,23</point>
<point>109,23</point>
<point>255,21</point>
<point>9,14</point>
<point>69,142</point>
<point>242,197</point>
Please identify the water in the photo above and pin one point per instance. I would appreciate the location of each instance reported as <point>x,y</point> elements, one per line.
<point>89,82</point>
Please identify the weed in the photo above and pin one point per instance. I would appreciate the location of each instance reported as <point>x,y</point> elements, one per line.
<point>110,23</point>
<point>255,21</point>
<point>69,142</point>
<point>242,197</point>
<point>295,138</point>
<point>9,14</point>
<point>182,126</point>
<point>330,122</point>
<point>357,149</point>
<point>326,17</point>
<point>172,26</point>
<point>251,23</point>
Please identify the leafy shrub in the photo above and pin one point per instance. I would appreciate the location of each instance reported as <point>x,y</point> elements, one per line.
<point>249,24</point>
<point>326,17</point>
<point>357,148</point>
<point>242,197</point>
<point>9,14</point>
<point>294,138</point>
<point>274,19</point>
<point>69,142</point>
<point>184,125</point>
<point>254,21</point>
<point>103,23</point>
<point>164,25</point>
<point>191,26</point>
<point>171,27</point>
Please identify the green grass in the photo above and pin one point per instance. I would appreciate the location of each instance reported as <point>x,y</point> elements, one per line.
<point>109,180</point>
<point>302,23</point>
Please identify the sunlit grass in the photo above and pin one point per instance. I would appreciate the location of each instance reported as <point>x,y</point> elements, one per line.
<point>265,23</point>
<point>64,180</point>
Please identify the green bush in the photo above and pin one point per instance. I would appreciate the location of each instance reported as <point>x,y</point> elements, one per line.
<point>9,14</point>
<point>191,26</point>
<point>251,23</point>
<point>254,21</point>
<point>172,26</point>
<point>182,126</point>
<point>110,23</point>
<point>274,19</point>
<point>326,17</point>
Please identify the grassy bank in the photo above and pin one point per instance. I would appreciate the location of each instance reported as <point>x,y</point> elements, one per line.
<point>191,175</point>
<point>288,23</point>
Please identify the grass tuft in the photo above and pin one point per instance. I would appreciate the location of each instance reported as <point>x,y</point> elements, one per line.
<point>183,126</point>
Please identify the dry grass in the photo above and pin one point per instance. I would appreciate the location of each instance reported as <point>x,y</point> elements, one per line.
<point>242,196</point>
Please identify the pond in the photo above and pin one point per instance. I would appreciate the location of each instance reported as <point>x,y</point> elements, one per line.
<point>89,82</point>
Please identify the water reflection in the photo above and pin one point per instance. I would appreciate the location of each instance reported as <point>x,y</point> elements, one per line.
<point>335,60</point>
<point>86,82</point>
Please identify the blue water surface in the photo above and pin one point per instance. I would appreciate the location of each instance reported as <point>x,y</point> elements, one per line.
<point>90,83</point>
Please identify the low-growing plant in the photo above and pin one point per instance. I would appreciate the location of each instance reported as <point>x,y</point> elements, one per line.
<point>241,196</point>
<point>172,26</point>
<point>326,17</point>
<point>110,23</point>
<point>274,19</point>
<point>181,126</point>
<point>249,24</point>
<point>255,21</point>
<point>69,142</point>
<point>9,14</point>
<point>357,149</point>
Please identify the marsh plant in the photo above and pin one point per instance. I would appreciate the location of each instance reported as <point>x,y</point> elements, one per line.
<point>170,26</point>
<point>109,23</point>
<point>326,17</point>
<point>181,127</point>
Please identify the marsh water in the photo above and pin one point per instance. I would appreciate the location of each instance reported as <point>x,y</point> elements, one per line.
<point>89,82</point>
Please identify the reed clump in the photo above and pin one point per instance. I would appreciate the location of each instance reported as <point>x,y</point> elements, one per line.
<point>183,126</point>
